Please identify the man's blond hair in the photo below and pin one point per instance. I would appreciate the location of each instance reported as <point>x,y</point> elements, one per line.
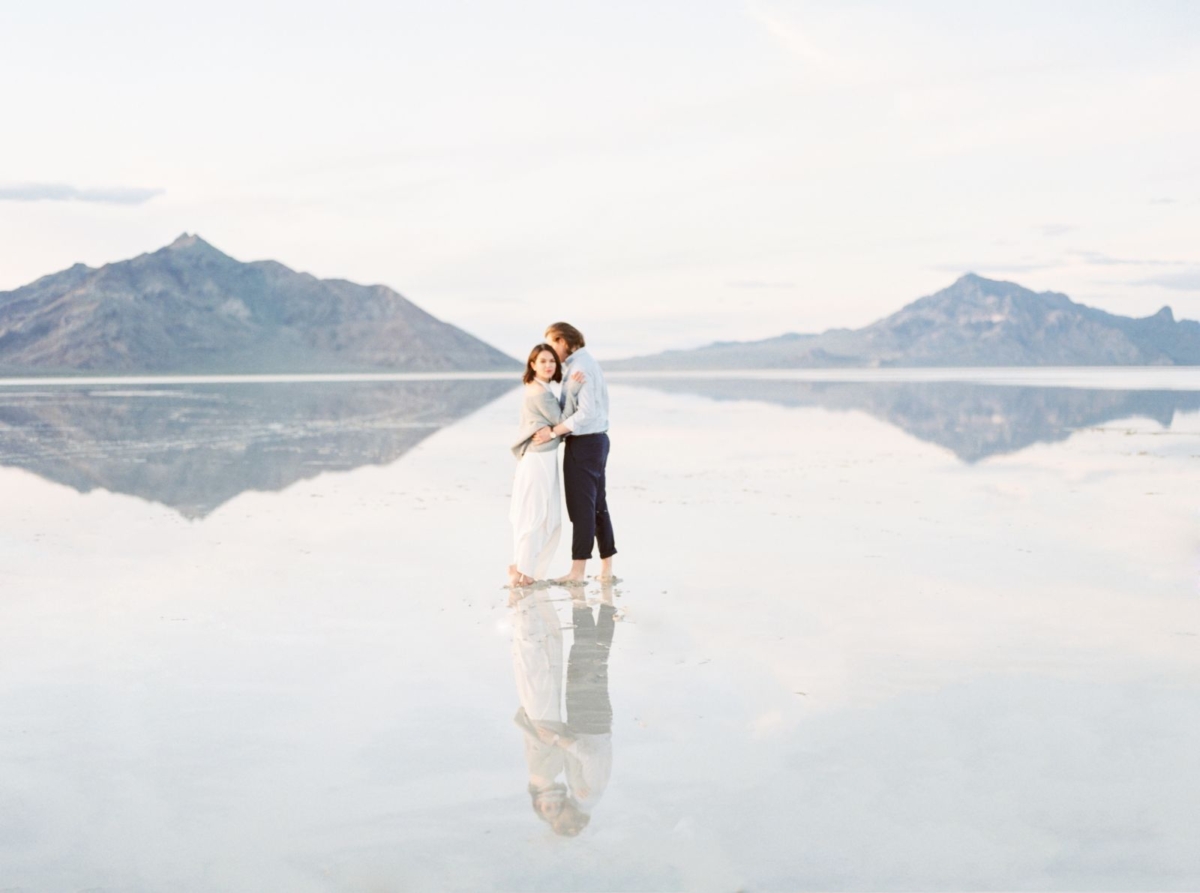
<point>568,333</point>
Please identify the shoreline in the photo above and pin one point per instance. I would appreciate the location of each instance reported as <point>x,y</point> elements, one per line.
<point>1098,377</point>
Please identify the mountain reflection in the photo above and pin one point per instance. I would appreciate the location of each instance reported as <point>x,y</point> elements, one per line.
<point>569,762</point>
<point>195,447</point>
<point>974,421</point>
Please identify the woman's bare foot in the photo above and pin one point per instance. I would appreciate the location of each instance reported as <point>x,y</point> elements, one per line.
<point>516,578</point>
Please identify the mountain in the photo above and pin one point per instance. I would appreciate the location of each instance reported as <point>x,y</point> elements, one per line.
<point>973,421</point>
<point>974,322</point>
<point>196,447</point>
<point>189,308</point>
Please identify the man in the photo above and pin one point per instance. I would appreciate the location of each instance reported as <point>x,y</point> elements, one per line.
<point>586,431</point>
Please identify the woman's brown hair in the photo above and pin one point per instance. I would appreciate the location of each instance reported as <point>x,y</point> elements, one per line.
<point>533,355</point>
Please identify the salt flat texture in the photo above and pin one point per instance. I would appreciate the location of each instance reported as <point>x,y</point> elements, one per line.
<point>847,659</point>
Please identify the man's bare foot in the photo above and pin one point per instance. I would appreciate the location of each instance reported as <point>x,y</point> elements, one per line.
<point>606,592</point>
<point>606,571</point>
<point>575,577</point>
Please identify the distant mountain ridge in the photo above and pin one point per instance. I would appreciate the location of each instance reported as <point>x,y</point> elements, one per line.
<point>974,322</point>
<point>189,308</point>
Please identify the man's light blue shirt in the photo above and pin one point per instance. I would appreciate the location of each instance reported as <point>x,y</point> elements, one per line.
<point>591,402</point>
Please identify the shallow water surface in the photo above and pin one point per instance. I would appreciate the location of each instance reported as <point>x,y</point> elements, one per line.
<point>869,634</point>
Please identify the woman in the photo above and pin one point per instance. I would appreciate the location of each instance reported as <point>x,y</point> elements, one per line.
<point>535,513</point>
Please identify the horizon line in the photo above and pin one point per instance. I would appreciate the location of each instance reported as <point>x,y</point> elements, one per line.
<point>1118,378</point>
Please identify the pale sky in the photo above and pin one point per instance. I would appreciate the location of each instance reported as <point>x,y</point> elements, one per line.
<point>661,174</point>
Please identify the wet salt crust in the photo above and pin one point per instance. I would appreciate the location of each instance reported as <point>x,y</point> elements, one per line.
<point>868,639</point>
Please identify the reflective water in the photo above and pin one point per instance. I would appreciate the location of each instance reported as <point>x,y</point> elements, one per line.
<point>869,635</point>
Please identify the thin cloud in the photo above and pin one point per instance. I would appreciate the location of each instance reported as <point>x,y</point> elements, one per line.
<point>1017,267</point>
<point>1056,229</point>
<point>819,42</point>
<point>758,283</point>
<point>1098,259</point>
<point>1185,280</point>
<point>63,192</point>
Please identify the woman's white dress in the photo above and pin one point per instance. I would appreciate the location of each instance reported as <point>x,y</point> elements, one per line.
<point>536,512</point>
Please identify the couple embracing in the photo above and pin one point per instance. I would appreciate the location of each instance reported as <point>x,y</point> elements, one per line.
<point>578,417</point>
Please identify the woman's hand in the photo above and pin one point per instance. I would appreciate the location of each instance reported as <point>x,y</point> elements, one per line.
<point>559,739</point>
<point>578,376</point>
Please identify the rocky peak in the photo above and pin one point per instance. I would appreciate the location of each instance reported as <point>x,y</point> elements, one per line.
<point>185,240</point>
<point>191,245</point>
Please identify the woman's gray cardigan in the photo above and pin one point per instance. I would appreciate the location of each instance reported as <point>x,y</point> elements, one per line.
<point>538,410</point>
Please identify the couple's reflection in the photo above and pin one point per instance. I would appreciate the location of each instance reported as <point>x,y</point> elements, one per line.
<point>569,762</point>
